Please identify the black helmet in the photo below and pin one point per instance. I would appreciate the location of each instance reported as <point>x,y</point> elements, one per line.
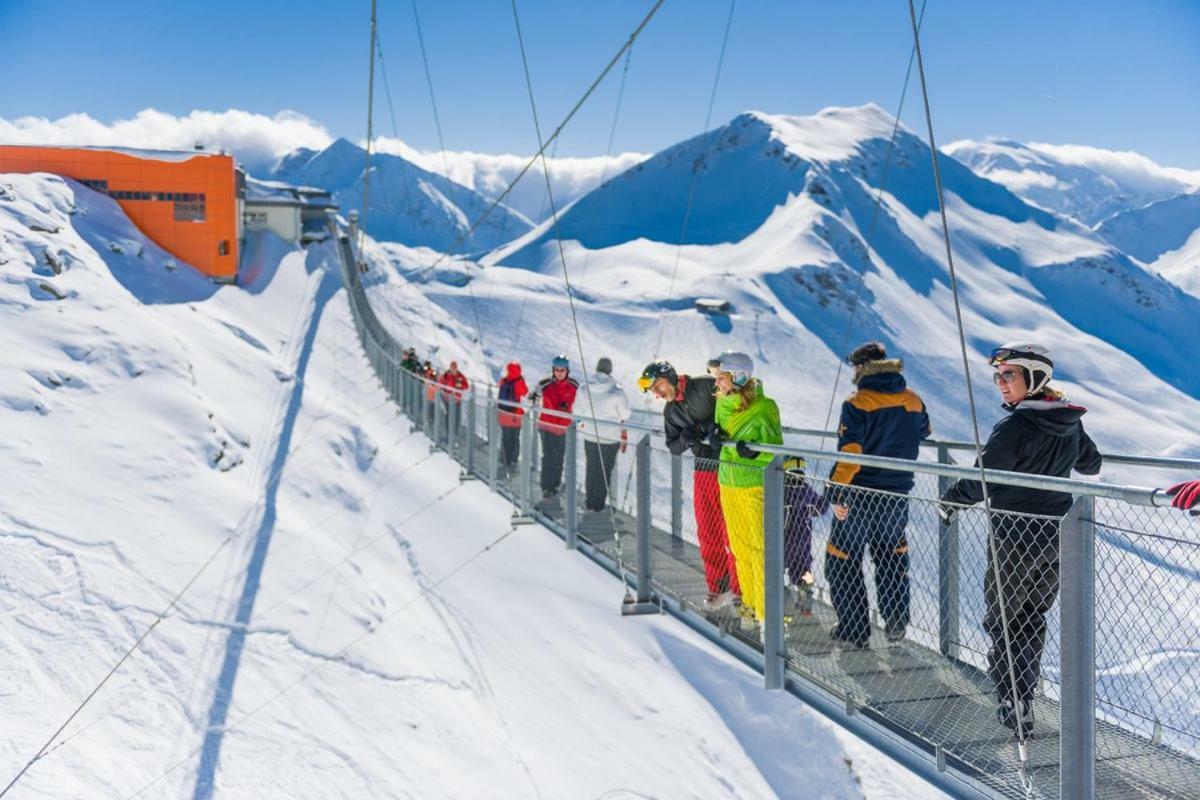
<point>656,370</point>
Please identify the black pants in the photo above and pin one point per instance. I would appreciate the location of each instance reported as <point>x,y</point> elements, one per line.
<point>554,445</point>
<point>601,458</point>
<point>877,523</point>
<point>510,445</point>
<point>1027,557</point>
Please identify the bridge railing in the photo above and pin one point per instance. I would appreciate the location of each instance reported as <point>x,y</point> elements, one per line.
<point>1115,700</point>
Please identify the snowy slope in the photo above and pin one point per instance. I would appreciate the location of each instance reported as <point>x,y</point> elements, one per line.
<point>408,204</point>
<point>1164,235</point>
<point>353,638</point>
<point>1089,184</point>
<point>779,226</point>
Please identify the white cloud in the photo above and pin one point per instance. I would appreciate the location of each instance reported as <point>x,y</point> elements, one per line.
<point>1124,166</point>
<point>490,174</point>
<point>256,139</point>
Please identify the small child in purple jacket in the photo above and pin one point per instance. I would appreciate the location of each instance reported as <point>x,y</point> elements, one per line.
<point>801,504</point>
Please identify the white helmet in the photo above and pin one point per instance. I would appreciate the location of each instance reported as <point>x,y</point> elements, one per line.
<point>1033,358</point>
<point>739,365</point>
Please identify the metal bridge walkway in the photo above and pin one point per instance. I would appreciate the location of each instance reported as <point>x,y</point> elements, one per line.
<point>940,706</point>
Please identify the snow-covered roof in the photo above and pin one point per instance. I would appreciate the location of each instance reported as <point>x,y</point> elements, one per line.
<point>260,192</point>
<point>137,152</point>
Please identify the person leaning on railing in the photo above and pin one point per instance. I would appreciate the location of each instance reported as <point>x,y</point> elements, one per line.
<point>1042,435</point>
<point>410,362</point>
<point>882,417</point>
<point>688,424</point>
<point>746,416</point>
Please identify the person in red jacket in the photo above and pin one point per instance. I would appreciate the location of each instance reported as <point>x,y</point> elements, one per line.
<point>454,385</point>
<point>511,392</point>
<point>556,393</point>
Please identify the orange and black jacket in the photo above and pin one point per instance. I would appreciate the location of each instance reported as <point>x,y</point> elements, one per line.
<point>883,417</point>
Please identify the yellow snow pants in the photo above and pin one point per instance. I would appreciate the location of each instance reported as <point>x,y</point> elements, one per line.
<point>743,510</point>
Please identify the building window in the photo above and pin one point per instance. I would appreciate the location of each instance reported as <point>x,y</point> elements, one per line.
<point>256,218</point>
<point>190,211</point>
<point>99,186</point>
<point>223,248</point>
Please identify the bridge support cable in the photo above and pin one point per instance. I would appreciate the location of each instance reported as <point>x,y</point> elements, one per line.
<point>557,131</point>
<point>687,211</point>
<point>871,227</point>
<point>1000,583</point>
<point>587,385</point>
<point>370,125</point>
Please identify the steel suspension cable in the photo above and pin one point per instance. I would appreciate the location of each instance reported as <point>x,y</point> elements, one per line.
<point>587,384</point>
<point>687,212</point>
<point>370,122</point>
<point>1022,743</point>
<point>870,234</point>
<point>557,131</point>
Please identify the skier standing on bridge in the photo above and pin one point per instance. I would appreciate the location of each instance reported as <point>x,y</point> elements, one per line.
<point>745,416</point>
<point>1042,435</point>
<point>882,417</point>
<point>606,407</point>
<point>688,422</point>
<point>509,394</point>
<point>556,393</point>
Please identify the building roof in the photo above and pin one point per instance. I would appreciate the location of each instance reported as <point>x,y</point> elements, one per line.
<point>260,192</point>
<point>136,152</point>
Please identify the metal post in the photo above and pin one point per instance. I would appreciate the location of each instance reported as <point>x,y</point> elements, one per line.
<point>493,425</point>
<point>470,438</point>
<point>642,604</point>
<point>571,466</point>
<point>528,445</point>
<point>948,572</point>
<point>774,652</point>
<point>677,498</point>
<point>438,414</point>
<point>453,413</point>
<point>1077,557</point>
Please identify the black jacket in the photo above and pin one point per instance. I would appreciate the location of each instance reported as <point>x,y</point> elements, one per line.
<point>688,420</point>
<point>1039,437</point>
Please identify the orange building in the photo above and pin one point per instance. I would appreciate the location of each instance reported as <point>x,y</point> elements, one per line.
<point>186,202</point>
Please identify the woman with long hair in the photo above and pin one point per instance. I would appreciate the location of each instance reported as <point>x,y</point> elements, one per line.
<point>746,416</point>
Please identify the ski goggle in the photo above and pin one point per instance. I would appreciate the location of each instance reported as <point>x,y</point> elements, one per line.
<point>645,382</point>
<point>1002,354</point>
<point>1005,377</point>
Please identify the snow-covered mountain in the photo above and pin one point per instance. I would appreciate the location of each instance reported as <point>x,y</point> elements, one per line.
<point>351,639</point>
<point>1164,235</point>
<point>1089,184</point>
<point>408,204</point>
<point>781,226</point>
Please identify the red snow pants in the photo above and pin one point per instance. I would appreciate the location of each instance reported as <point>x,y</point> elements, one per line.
<point>720,571</point>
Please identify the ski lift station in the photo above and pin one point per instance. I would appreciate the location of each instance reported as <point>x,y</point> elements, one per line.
<point>195,204</point>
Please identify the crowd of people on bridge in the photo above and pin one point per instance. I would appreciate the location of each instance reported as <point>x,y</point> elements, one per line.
<point>733,431</point>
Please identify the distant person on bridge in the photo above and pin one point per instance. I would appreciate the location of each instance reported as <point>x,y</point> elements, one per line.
<point>882,417</point>
<point>556,393</point>
<point>689,424</point>
<point>606,407</point>
<point>509,394</point>
<point>410,362</point>
<point>454,385</point>
<point>430,376</point>
<point>746,416</point>
<point>1042,435</point>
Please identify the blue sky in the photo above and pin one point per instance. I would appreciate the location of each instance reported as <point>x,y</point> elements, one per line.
<point>1112,74</point>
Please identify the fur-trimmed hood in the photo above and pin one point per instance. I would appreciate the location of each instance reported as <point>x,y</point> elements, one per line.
<point>886,366</point>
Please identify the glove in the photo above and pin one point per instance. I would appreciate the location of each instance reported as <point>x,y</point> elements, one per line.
<point>1186,496</point>
<point>744,450</point>
<point>714,436</point>
<point>946,513</point>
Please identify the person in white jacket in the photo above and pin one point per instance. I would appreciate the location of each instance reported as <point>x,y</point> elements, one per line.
<point>605,408</point>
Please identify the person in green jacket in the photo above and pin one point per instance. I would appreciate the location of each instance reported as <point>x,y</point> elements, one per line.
<point>745,416</point>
